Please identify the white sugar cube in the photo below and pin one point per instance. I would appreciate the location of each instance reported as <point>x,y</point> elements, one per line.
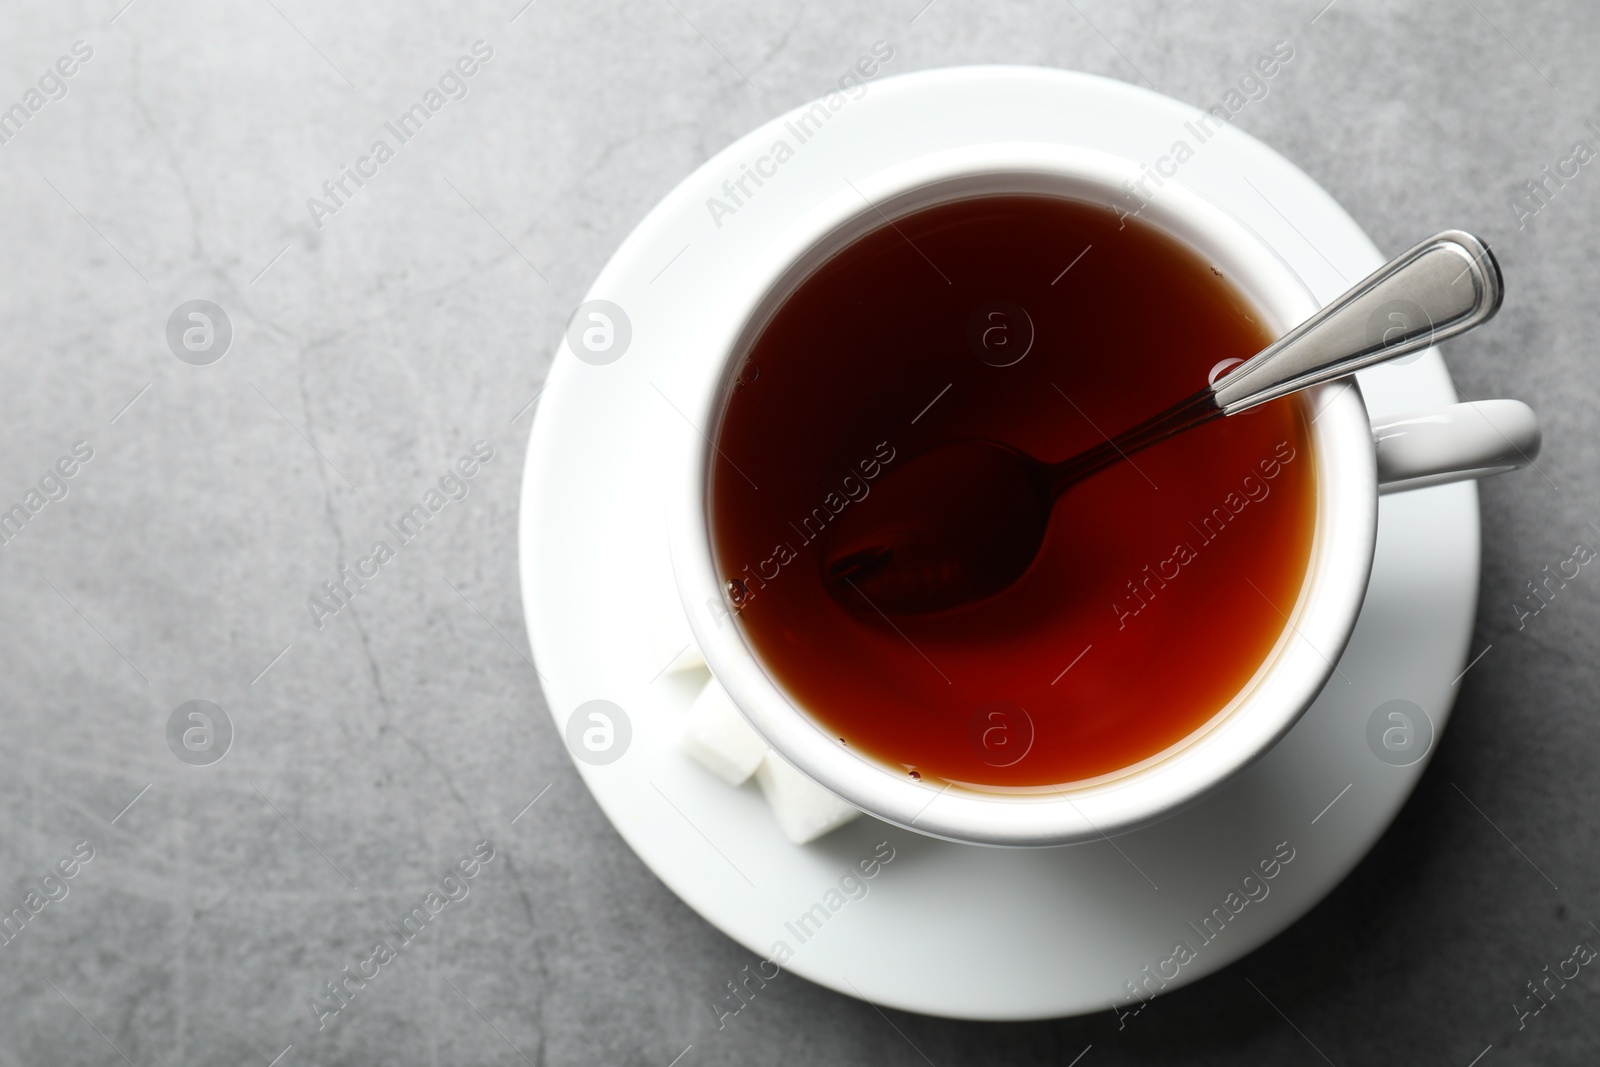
<point>804,809</point>
<point>719,739</point>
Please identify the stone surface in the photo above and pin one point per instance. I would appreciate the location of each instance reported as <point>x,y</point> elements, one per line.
<point>369,353</point>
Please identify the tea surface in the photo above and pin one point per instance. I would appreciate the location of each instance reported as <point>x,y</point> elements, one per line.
<point>1163,582</point>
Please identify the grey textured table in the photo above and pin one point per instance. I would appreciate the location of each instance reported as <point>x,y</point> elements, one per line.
<point>369,352</point>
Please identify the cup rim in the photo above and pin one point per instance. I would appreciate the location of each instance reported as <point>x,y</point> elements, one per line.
<point>1283,687</point>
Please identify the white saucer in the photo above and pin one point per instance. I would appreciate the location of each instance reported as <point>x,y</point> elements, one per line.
<point>949,929</point>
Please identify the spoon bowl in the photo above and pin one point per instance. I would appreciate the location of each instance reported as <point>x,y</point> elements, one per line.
<point>955,524</point>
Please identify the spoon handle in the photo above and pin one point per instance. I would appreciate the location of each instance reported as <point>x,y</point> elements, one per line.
<point>1444,286</point>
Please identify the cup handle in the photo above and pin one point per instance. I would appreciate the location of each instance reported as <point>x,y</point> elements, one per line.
<point>1452,444</point>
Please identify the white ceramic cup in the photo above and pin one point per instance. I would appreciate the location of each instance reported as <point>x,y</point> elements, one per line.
<point>1355,460</point>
